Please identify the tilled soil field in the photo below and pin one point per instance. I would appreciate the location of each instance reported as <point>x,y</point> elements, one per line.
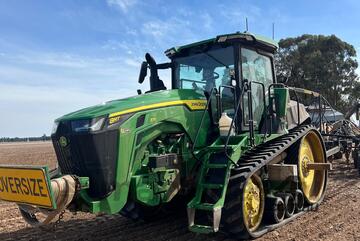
<point>338,218</point>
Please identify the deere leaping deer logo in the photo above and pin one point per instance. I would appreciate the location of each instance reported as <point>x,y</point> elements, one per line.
<point>63,141</point>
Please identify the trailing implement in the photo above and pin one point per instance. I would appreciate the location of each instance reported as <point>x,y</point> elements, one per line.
<point>225,136</point>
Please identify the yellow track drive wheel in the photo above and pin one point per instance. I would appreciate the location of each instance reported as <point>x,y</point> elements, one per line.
<point>253,203</point>
<point>312,181</point>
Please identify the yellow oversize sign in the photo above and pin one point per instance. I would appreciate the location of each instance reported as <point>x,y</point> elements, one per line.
<point>25,185</point>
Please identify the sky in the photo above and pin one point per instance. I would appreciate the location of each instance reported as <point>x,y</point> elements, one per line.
<point>59,56</point>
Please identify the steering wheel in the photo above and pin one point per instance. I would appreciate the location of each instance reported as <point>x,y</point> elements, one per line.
<point>215,76</point>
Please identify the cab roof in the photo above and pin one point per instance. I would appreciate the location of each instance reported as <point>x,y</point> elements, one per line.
<point>257,40</point>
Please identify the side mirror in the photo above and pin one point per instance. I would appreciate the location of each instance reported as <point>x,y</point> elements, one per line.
<point>143,72</point>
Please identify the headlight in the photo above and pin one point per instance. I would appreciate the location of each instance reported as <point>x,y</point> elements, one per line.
<point>97,124</point>
<point>87,125</point>
<point>54,128</point>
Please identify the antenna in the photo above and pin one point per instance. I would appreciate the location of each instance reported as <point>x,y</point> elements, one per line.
<point>273,31</point>
<point>247,25</point>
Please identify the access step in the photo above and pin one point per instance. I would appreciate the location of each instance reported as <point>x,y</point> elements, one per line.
<point>202,229</point>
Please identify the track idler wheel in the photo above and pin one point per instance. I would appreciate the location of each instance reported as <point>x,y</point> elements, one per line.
<point>289,203</point>
<point>275,209</point>
<point>312,181</point>
<point>253,203</point>
<point>244,207</point>
<point>299,201</point>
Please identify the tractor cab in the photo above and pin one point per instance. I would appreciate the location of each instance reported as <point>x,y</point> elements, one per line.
<point>231,70</point>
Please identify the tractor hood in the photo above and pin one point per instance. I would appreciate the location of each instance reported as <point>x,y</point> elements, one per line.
<point>137,103</point>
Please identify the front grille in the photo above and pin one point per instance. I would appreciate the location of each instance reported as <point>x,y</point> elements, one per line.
<point>92,155</point>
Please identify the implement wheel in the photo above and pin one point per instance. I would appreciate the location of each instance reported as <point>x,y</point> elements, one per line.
<point>312,182</point>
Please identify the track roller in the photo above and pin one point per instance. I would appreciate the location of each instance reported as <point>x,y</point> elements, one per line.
<point>275,209</point>
<point>289,203</point>
<point>299,201</point>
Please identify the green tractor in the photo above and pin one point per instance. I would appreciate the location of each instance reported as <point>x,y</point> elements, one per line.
<point>225,135</point>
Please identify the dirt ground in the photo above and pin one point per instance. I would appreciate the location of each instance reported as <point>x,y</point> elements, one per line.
<point>338,218</point>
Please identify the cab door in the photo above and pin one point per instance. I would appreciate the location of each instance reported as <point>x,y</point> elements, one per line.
<point>257,70</point>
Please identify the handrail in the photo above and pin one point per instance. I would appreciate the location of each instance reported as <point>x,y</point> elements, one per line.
<point>321,114</point>
<point>319,97</point>
<point>304,91</point>
<point>264,102</point>
<point>297,105</point>
<point>231,125</point>
<point>202,118</point>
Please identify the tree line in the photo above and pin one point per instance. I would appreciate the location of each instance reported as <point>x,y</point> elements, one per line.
<point>25,139</point>
<point>325,64</point>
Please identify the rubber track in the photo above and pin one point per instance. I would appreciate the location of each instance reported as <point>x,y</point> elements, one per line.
<point>252,161</point>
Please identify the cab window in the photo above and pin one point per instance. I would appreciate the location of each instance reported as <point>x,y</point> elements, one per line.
<point>207,70</point>
<point>256,67</point>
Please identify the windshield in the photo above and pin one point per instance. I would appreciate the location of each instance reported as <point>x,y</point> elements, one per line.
<point>205,71</point>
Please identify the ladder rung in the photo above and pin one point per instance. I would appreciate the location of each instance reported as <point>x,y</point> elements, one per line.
<point>205,206</point>
<point>216,165</point>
